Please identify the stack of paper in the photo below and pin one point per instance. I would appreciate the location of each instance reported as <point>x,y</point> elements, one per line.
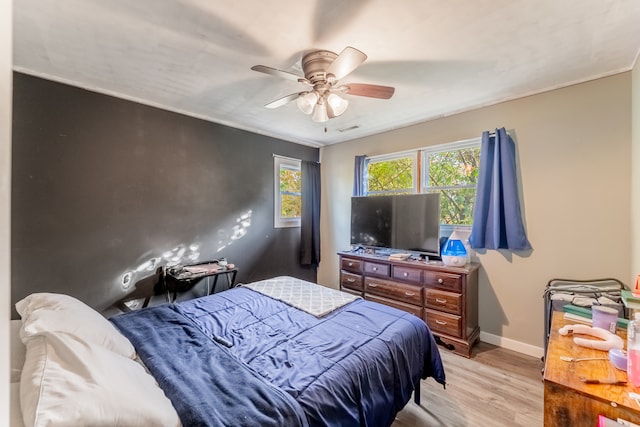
<point>630,300</point>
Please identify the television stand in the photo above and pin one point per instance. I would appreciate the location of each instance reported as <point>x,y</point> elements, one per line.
<point>446,298</point>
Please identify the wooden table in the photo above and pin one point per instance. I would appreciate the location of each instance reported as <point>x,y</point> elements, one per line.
<point>570,402</point>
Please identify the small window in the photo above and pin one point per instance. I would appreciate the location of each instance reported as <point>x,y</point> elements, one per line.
<point>392,174</point>
<point>452,170</point>
<point>288,192</point>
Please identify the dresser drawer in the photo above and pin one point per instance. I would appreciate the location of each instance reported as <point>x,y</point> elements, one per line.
<point>407,274</point>
<point>351,281</point>
<point>444,323</point>
<point>441,279</point>
<point>377,269</point>
<point>443,301</point>
<point>409,308</point>
<point>399,291</point>
<point>351,264</point>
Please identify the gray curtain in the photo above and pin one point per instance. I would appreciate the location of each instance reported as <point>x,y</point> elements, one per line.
<point>360,176</point>
<point>497,220</point>
<point>310,220</point>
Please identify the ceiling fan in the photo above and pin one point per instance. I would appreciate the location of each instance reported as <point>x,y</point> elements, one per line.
<point>322,70</point>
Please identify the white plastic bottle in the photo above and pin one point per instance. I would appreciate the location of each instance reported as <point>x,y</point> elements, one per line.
<point>633,350</point>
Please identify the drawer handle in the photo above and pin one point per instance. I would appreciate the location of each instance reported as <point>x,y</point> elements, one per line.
<point>375,268</point>
<point>441,301</point>
<point>440,281</point>
<point>371,285</point>
<point>405,274</point>
<point>350,280</point>
<point>410,294</point>
<point>441,322</point>
<point>350,264</point>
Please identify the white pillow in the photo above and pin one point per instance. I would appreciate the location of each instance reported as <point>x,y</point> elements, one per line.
<point>69,382</point>
<point>47,312</point>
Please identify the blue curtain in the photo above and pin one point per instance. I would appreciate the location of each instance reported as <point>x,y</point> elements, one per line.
<point>497,220</point>
<point>360,176</point>
<point>310,217</point>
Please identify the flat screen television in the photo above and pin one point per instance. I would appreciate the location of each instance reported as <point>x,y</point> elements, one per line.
<point>408,222</point>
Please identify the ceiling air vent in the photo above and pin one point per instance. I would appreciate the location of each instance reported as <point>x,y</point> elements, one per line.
<point>348,129</point>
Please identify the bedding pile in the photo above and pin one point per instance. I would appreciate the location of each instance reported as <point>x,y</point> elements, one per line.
<point>206,384</point>
<point>240,354</point>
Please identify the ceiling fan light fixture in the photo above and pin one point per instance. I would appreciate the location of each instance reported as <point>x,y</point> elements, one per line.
<point>336,105</point>
<point>307,101</point>
<point>320,112</point>
<point>322,71</point>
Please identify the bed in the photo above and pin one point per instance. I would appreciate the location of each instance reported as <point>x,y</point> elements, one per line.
<point>275,352</point>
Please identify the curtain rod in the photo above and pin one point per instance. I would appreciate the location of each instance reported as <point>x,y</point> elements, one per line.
<point>285,157</point>
<point>493,133</point>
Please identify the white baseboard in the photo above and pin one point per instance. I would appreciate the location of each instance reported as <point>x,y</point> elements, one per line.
<point>507,343</point>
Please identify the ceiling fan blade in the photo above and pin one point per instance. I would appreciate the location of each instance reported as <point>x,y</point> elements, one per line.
<point>284,100</point>
<point>277,73</point>
<point>348,60</point>
<point>372,91</point>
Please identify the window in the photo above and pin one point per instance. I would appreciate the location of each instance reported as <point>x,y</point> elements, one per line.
<point>287,192</point>
<point>392,174</point>
<point>452,170</point>
<point>448,169</point>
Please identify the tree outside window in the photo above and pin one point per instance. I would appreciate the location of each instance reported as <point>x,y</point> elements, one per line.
<point>454,174</point>
<point>392,174</point>
<point>288,192</point>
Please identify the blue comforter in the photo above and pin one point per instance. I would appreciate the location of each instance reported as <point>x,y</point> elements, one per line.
<point>206,384</point>
<point>355,366</point>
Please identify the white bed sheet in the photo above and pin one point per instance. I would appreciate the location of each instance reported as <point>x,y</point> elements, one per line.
<point>18,351</point>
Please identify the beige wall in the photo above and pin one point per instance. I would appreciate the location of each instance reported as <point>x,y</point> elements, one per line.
<point>5,203</point>
<point>574,148</point>
<point>635,171</point>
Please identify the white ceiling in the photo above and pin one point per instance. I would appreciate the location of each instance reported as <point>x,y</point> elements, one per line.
<point>443,57</point>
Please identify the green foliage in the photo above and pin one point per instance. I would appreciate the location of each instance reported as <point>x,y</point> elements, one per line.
<point>456,206</point>
<point>455,174</point>
<point>391,175</point>
<point>454,168</point>
<point>290,192</point>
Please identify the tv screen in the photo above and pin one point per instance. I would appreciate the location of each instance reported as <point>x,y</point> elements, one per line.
<point>404,222</point>
<point>371,221</point>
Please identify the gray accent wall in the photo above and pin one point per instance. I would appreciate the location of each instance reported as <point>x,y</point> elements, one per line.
<point>102,187</point>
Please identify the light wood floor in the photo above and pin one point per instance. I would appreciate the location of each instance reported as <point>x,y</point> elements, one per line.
<point>496,387</point>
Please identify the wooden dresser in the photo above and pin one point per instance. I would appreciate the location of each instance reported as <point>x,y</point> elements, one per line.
<point>446,298</point>
<point>568,401</point>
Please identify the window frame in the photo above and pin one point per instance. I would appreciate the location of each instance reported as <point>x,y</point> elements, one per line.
<point>445,229</point>
<point>449,146</point>
<point>278,163</point>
